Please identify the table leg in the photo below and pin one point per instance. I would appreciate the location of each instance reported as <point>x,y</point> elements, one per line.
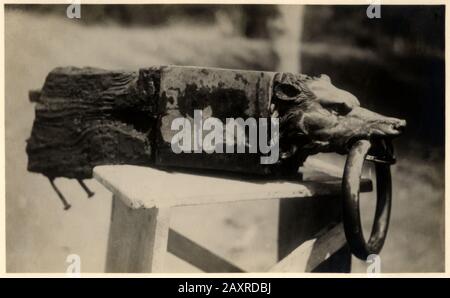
<point>137,239</point>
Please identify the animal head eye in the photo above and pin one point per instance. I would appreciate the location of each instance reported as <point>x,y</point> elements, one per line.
<point>338,108</point>
<point>287,92</point>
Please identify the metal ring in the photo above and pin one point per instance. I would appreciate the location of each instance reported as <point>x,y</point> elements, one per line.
<point>351,215</point>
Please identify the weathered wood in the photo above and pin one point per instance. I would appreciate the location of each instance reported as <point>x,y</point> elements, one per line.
<point>87,117</point>
<point>137,239</point>
<point>219,93</point>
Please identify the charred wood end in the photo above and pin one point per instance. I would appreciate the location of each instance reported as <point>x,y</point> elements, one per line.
<point>87,117</point>
<point>34,95</point>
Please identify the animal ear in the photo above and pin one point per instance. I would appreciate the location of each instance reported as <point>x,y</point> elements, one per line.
<point>287,92</point>
<point>325,77</point>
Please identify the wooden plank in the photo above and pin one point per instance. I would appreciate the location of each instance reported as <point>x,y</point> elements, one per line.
<point>137,239</point>
<point>147,187</point>
<point>312,253</point>
<point>198,256</point>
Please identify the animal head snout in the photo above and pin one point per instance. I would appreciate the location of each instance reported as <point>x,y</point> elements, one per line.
<point>400,125</point>
<point>316,115</point>
<point>376,125</point>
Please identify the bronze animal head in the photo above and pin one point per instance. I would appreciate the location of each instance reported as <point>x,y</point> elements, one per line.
<point>315,116</point>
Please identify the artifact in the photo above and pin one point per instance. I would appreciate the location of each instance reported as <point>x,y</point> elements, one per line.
<point>87,117</point>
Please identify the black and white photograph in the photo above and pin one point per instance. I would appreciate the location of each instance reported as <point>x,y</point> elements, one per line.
<point>224,138</point>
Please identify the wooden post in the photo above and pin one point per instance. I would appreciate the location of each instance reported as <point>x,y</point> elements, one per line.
<point>286,37</point>
<point>137,239</point>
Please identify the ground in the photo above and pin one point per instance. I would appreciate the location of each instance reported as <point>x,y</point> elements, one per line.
<point>40,235</point>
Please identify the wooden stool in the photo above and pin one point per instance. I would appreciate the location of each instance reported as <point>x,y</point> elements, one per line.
<point>140,235</point>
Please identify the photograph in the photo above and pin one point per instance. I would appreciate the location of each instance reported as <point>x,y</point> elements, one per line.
<point>224,138</point>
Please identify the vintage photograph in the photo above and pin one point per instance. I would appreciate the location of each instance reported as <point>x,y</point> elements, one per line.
<point>188,138</point>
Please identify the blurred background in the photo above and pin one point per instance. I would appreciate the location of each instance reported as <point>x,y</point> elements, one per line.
<point>393,64</point>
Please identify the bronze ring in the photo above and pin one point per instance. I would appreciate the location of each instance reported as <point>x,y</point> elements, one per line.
<point>351,215</point>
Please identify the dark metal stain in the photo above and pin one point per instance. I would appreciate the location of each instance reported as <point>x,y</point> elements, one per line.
<point>224,102</point>
<point>162,102</point>
<point>138,119</point>
<point>240,77</point>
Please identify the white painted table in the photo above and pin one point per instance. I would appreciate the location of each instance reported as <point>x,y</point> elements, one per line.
<point>140,234</point>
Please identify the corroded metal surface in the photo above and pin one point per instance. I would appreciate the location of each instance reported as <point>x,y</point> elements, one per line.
<point>218,93</point>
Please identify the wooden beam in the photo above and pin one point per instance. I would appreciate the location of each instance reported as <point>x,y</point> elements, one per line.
<point>86,116</point>
<point>312,253</point>
<point>197,255</point>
